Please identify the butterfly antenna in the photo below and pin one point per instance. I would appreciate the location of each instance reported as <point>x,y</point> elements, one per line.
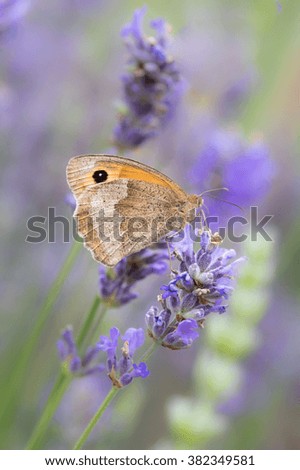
<point>228,202</point>
<point>214,189</point>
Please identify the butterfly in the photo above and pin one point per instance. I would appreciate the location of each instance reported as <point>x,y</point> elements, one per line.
<point>123,206</point>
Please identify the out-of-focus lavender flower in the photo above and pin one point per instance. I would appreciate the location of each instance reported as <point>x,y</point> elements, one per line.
<point>152,85</point>
<point>70,358</point>
<point>116,284</point>
<point>7,98</point>
<point>207,71</point>
<point>123,370</point>
<point>202,285</point>
<point>227,161</point>
<point>70,200</point>
<point>11,11</point>
<point>235,95</point>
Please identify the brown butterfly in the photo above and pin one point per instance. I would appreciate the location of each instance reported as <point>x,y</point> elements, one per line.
<point>124,206</point>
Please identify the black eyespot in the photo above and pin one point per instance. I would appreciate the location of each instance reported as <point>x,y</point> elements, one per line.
<point>100,176</point>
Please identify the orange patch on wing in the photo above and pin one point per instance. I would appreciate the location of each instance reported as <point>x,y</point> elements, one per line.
<point>117,171</point>
<point>80,180</point>
<point>142,175</point>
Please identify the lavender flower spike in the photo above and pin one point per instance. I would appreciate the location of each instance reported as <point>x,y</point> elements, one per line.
<point>204,280</point>
<point>116,284</point>
<point>202,285</point>
<point>152,85</point>
<point>123,370</point>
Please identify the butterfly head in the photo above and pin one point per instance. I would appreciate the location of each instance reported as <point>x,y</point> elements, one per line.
<point>196,200</point>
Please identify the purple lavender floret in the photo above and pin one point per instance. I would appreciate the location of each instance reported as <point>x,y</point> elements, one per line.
<point>70,358</point>
<point>121,368</point>
<point>116,284</point>
<point>183,336</point>
<point>157,322</point>
<point>178,334</point>
<point>152,84</point>
<point>201,285</point>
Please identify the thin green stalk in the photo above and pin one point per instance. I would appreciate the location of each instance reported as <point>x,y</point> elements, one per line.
<point>107,400</point>
<point>61,384</point>
<point>88,322</point>
<point>52,404</point>
<point>149,351</point>
<point>92,334</point>
<point>20,368</point>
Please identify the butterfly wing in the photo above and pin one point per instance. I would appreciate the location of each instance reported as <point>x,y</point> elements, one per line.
<point>133,207</point>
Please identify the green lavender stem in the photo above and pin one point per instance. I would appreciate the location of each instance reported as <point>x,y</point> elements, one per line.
<point>19,370</point>
<point>55,398</point>
<point>93,331</point>
<point>88,322</point>
<point>62,383</point>
<point>149,352</point>
<point>107,400</point>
